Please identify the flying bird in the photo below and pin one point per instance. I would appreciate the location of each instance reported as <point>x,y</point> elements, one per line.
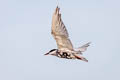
<point>65,47</point>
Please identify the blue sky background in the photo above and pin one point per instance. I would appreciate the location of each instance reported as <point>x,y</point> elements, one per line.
<point>25,27</point>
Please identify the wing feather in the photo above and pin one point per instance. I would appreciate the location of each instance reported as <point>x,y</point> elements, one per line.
<point>84,47</point>
<point>59,31</point>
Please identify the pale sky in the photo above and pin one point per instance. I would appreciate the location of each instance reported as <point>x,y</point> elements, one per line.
<point>25,36</point>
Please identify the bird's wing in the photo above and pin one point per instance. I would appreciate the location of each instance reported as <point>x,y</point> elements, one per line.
<point>59,31</point>
<point>84,47</point>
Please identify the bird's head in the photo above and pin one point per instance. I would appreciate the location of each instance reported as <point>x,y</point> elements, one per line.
<point>51,52</point>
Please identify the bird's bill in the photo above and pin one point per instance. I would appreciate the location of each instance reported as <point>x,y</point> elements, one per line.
<point>46,54</point>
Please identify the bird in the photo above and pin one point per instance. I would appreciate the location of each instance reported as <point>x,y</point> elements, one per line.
<point>64,44</point>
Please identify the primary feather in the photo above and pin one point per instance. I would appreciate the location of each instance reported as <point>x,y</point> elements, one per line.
<point>59,31</point>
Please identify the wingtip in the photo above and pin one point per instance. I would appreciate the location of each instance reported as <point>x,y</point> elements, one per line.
<point>57,6</point>
<point>81,58</point>
<point>57,10</point>
<point>89,42</point>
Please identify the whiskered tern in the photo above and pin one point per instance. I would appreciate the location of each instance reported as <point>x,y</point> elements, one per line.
<point>65,47</point>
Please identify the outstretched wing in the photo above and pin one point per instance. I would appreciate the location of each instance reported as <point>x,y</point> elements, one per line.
<point>84,47</point>
<point>59,31</point>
